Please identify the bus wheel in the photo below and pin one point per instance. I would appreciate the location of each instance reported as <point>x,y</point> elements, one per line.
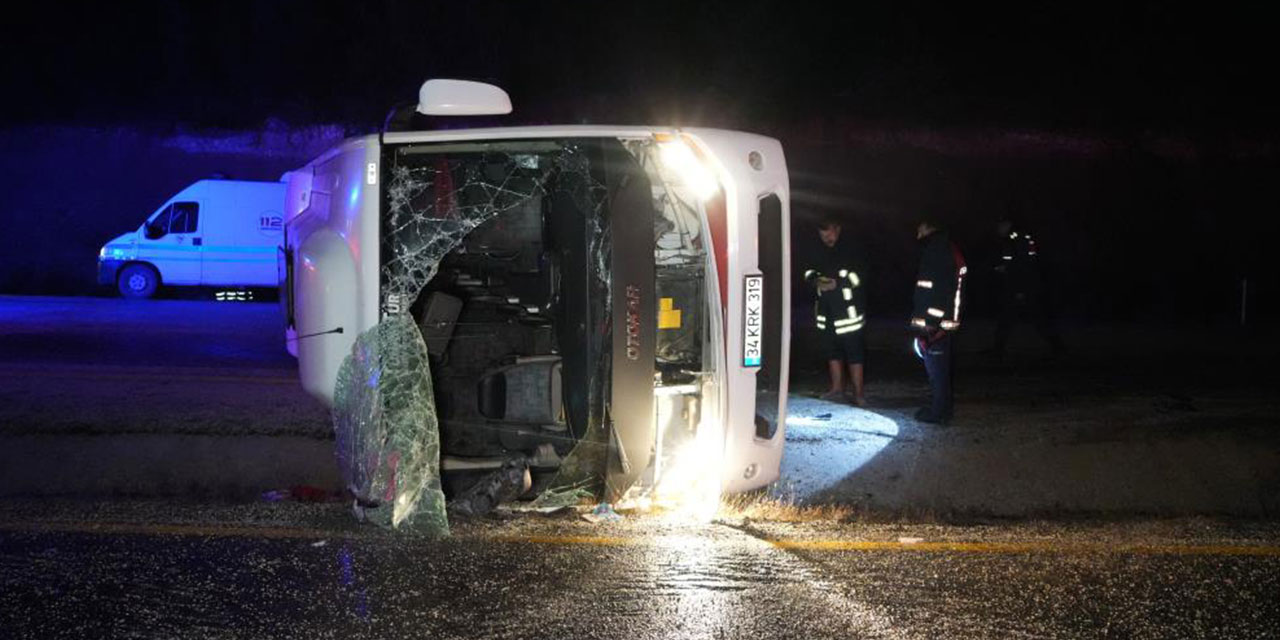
<point>138,281</point>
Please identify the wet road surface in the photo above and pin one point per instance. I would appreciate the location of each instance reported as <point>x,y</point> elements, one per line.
<point>155,570</point>
<point>142,333</point>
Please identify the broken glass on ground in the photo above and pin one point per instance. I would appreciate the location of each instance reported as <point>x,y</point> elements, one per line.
<point>603,513</point>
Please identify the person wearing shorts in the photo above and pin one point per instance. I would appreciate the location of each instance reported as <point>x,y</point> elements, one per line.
<point>835,272</point>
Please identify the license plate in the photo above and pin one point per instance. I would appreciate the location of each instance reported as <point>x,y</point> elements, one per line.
<point>753,321</point>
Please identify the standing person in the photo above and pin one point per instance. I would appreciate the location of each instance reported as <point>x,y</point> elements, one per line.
<point>936,315</point>
<point>836,273</point>
<point>1022,294</point>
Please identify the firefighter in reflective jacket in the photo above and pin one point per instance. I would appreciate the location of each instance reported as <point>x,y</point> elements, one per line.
<point>936,315</point>
<point>835,271</point>
<point>1022,290</point>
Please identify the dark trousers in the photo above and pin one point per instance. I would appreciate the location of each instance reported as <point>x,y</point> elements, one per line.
<point>937,363</point>
<point>1028,307</point>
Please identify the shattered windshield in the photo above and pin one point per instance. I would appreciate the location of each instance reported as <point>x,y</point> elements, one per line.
<point>437,194</point>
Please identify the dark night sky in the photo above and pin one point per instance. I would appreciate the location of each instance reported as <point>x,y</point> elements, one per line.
<point>1062,65</point>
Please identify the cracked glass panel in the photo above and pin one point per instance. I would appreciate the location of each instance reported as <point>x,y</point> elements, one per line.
<point>386,427</point>
<point>452,189</point>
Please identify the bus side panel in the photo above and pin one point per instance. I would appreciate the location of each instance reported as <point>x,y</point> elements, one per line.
<point>325,275</point>
<point>751,167</point>
<point>363,168</point>
<point>336,264</point>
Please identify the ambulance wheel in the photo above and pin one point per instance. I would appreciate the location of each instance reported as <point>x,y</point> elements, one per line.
<point>138,281</point>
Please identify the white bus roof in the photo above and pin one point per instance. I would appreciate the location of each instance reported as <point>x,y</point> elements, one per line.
<point>511,133</point>
<point>542,131</point>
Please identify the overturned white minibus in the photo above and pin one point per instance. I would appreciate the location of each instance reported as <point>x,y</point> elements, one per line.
<point>626,278</point>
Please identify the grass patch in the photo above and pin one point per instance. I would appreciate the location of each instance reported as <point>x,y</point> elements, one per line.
<point>761,506</point>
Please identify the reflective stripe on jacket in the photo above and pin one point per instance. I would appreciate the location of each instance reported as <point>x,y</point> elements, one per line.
<point>939,285</point>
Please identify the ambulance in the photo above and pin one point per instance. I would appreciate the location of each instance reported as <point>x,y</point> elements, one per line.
<point>219,233</point>
<point>634,278</point>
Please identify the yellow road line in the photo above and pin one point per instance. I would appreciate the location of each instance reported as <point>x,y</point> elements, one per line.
<point>1030,547</point>
<point>944,547</point>
<point>293,533</point>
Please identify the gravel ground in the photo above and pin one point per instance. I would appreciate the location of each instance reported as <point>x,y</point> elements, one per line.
<point>1116,427</point>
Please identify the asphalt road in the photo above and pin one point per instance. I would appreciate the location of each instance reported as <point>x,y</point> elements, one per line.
<point>305,571</point>
<point>105,396</point>
<point>111,366</point>
<point>110,331</point>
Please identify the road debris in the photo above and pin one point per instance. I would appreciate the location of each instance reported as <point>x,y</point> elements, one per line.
<point>602,513</point>
<point>503,485</point>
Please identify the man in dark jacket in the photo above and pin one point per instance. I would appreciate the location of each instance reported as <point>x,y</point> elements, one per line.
<point>936,315</point>
<point>1022,290</point>
<point>835,271</point>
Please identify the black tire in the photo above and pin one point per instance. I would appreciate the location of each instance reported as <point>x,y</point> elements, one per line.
<point>138,281</point>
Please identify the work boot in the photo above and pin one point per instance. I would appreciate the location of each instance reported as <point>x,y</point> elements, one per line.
<point>924,414</point>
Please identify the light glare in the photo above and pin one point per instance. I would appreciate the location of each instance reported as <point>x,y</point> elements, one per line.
<point>690,487</point>
<point>680,158</point>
